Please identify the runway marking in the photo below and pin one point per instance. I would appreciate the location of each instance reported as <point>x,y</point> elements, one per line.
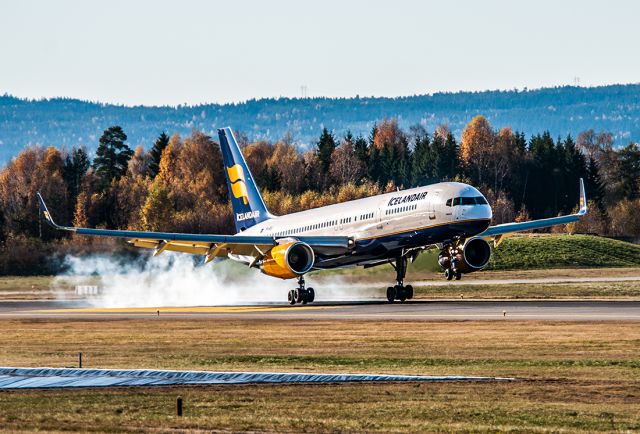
<point>178,310</point>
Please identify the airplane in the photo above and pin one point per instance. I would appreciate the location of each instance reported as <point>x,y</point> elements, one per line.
<point>391,228</point>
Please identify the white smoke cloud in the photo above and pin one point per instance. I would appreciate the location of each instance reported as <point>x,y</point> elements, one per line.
<point>174,279</point>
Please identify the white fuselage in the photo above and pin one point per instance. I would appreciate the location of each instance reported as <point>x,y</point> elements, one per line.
<point>382,215</point>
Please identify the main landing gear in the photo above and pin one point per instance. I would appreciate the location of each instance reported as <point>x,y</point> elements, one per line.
<point>399,291</point>
<point>301,294</point>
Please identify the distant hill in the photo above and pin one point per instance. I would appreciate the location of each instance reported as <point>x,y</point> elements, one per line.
<point>561,110</point>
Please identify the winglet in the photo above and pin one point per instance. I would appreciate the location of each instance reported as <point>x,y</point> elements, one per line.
<point>45,211</point>
<point>583,199</point>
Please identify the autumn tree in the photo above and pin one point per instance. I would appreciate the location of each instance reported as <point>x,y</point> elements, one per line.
<point>625,218</point>
<point>139,163</point>
<point>476,149</point>
<point>346,167</point>
<point>158,213</point>
<point>288,166</point>
<point>257,156</point>
<point>34,169</point>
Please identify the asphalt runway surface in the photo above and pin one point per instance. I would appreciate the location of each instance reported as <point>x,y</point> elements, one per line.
<point>413,310</point>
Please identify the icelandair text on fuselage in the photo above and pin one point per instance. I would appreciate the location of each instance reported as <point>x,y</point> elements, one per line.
<point>247,215</point>
<point>407,198</point>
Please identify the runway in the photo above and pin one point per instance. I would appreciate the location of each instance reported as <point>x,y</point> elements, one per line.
<point>414,310</point>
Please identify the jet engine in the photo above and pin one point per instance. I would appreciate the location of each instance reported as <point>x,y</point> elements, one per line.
<point>472,256</point>
<point>288,260</point>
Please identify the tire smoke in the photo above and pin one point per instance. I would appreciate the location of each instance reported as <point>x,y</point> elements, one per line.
<point>174,279</point>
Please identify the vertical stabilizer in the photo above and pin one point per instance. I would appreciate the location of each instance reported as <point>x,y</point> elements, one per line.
<point>248,206</point>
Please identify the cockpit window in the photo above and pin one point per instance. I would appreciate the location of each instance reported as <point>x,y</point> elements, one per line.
<point>449,202</point>
<point>478,200</point>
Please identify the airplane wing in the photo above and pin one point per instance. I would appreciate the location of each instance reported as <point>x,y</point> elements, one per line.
<point>498,231</point>
<point>203,244</point>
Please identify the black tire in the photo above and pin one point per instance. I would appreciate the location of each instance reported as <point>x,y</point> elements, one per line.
<point>448,274</point>
<point>391,294</point>
<point>400,293</point>
<point>298,295</point>
<point>409,291</point>
<point>291,298</point>
<point>458,275</point>
<point>311,295</point>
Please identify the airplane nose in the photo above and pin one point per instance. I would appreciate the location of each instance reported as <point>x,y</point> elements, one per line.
<point>479,212</point>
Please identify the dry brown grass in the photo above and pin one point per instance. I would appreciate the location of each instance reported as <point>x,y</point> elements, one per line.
<point>529,349</point>
<point>530,406</point>
<point>581,377</point>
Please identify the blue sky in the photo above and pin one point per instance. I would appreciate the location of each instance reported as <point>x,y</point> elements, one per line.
<point>189,51</point>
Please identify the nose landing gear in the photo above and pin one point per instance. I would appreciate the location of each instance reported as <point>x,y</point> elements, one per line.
<point>400,291</point>
<point>449,261</point>
<point>301,294</point>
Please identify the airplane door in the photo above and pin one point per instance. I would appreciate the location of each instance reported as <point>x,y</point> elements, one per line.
<point>379,218</point>
<point>432,202</point>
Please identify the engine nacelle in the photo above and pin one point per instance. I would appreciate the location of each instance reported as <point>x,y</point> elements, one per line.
<point>289,260</point>
<point>474,255</point>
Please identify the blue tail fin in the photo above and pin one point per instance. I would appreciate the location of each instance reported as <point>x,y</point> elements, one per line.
<point>248,206</point>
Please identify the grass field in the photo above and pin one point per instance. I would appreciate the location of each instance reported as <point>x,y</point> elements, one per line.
<point>576,377</point>
<point>572,376</point>
<point>532,252</point>
<point>581,290</point>
<point>550,251</point>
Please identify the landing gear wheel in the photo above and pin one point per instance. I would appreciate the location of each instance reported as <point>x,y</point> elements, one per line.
<point>408,290</point>
<point>458,275</point>
<point>301,294</point>
<point>391,294</point>
<point>448,274</point>
<point>400,293</point>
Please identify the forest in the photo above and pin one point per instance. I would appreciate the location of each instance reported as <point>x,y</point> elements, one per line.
<point>178,184</point>
<point>562,110</point>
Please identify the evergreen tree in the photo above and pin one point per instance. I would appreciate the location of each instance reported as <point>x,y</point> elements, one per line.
<point>575,167</point>
<point>595,187</point>
<point>447,161</point>
<point>326,146</point>
<point>422,167</point>
<point>270,178</point>
<point>112,156</point>
<point>541,194</point>
<point>76,165</point>
<point>361,150</point>
<point>628,170</point>
<point>156,154</point>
